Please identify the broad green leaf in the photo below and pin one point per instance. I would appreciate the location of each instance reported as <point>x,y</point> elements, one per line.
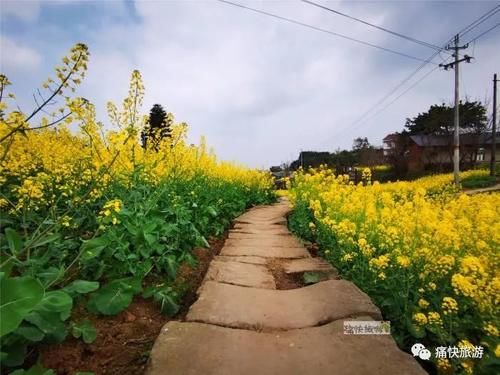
<point>82,287</point>
<point>15,353</point>
<point>30,333</point>
<point>86,330</point>
<point>93,248</point>
<point>115,296</point>
<point>56,301</point>
<point>14,240</point>
<point>19,296</point>
<point>50,323</point>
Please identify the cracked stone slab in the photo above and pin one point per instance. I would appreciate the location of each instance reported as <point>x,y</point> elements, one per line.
<point>284,234</point>
<point>196,348</point>
<point>242,259</point>
<point>244,274</point>
<point>308,265</point>
<point>273,241</point>
<point>242,233</point>
<point>257,221</point>
<point>239,307</point>
<point>266,252</point>
<point>260,229</point>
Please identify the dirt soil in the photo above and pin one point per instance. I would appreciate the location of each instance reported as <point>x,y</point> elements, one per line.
<point>124,341</point>
<point>283,280</point>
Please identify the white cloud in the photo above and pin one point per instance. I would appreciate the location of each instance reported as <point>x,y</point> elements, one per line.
<point>16,57</point>
<point>26,10</point>
<point>261,89</point>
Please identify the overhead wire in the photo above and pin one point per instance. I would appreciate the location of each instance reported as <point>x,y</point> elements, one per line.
<point>468,28</point>
<point>423,43</point>
<point>479,21</point>
<point>300,23</point>
<point>483,33</point>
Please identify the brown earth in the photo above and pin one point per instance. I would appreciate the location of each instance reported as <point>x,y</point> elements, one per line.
<point>124,341</point>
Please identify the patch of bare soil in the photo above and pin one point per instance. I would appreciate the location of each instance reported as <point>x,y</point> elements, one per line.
<point>124,341</point>
<point>283,280</point>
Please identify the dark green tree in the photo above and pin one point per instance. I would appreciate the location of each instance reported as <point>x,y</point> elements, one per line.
<point>439,119</point>
<point>158,128</point>
<point>360,144</point>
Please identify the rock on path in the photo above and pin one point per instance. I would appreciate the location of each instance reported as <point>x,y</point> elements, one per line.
<point>241,324</point>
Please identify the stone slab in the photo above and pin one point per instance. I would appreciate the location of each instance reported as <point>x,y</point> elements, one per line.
<point>278,231</point>
<point>256,221</point>
<point>237,273</point>
<point>239,307</point>
<point>242,259</point>
<point>307,265</point>
<point>268,252</point>
<point>264,242</point>
<point>258,234</point>
<point>260,229</point>
<point>195,348</point>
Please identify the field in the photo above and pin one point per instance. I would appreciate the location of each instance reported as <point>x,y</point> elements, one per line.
<point>426,254</point>
<point>91,219</point>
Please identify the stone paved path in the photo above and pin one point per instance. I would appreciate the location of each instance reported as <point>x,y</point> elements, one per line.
<point>241,323</point>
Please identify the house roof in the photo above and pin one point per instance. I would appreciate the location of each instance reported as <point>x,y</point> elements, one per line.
<point>391,137</point>
<point>425,140</point>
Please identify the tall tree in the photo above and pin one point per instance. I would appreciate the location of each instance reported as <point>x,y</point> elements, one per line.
<point>158,128</point>
<point>360,144</point>
<point>438,120</point>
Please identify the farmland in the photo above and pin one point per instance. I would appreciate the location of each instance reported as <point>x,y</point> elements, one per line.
<point>426,254</point>
<point>89,217</point>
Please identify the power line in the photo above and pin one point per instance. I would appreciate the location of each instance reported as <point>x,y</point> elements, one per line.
<point>479,21</point>
<point>483,33</point>
<point>437,48</point>
<point>468,28</point>
<point>321,30</point>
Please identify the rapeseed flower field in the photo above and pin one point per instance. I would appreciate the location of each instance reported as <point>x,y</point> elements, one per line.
<point>87,214</point>
<point>426,254</point>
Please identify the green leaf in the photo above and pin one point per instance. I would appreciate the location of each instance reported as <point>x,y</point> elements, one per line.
<point>93,248</point>
<point>415,331</point>
<point>50,323</point>
<point>171,266</point>
<point>14,240</point>
<point>20,295</point>
<point>50,275</point>
<point>311,277</point>
<point>15,353</point>
<point>35,370</point>
<point>115,296</point>
<point>82,287</point>
<point>86,330</point>
<point>30,333</point>
<point>211,211</point>
<point>45,240</point>
<point>56,301</point>
<point>168,304</point>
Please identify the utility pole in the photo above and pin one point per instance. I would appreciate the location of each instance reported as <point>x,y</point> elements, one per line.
<point>456,136</point>
<point>494,128</point>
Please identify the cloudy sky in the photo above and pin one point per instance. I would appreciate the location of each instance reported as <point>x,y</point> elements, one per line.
<point>260,89</point>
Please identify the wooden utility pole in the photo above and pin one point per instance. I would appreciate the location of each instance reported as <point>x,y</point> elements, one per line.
<point>494,128</point>
<point>456,137</point>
